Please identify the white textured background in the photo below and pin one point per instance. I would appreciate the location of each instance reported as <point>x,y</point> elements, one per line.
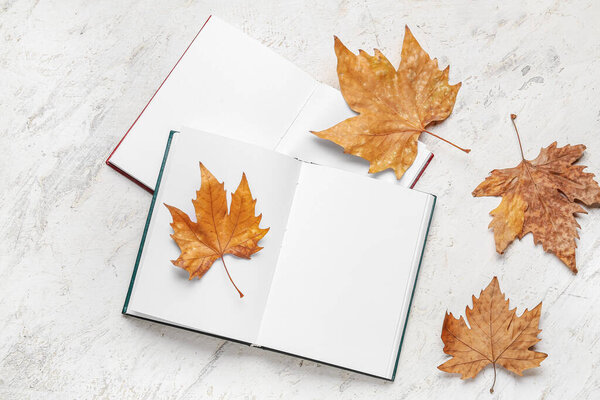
<point>75,74</point>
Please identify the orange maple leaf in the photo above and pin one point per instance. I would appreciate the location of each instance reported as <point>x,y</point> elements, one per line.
<point>538,197</point>
<point>496,336</point>
<point>394,106</point>
<point>216,232</point>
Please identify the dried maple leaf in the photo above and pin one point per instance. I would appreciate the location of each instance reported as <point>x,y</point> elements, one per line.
<point>216,232</point>
<point>497,336</point>
<point>394,106</point>
<point>538,196</point>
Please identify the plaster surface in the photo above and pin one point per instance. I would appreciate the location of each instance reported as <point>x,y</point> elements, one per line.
<point>75,74</point>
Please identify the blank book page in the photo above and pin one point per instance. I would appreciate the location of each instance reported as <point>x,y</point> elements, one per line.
<point>339,287</point>
<point>162,291</point>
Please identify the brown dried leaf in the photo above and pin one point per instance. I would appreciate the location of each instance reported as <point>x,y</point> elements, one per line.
<point>539,196</point>
<point>216,232</point>
<point>496,336</point>
<point>394,106</point>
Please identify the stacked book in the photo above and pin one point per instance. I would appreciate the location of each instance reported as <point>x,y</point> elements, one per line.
<point>335,279</point>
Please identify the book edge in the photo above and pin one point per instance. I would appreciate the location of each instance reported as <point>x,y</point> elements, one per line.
<point>415,285</point>
<point>185,328</point>
<point>412,186</point>
<point>130,177</point>
<point>325,363</point>
<point>147,225</point>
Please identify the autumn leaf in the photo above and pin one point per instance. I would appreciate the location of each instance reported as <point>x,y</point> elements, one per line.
<point>539,197</point>
<point>496,336</point>
<point>216,232</point>
<point>394,106</point>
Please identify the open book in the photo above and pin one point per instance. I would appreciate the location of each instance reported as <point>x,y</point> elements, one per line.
<point>231,85</point>
<point>335,278</point>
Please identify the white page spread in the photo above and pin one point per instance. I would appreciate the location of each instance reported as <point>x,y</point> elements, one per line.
<point>162,291</point>
<point>334,279</point>
<point>346,269</point>
<point>231,85</point>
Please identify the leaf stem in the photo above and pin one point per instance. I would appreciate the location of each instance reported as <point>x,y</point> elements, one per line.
<point>493,383</point>
<point>234,285</point>
<point>447,141</point>
<point>512,118</point>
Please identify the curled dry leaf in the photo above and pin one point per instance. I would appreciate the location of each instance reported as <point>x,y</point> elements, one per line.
<point>539,197</point>
<point>497,336</point>
<point>394,106</point>
<point>216,232</point>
